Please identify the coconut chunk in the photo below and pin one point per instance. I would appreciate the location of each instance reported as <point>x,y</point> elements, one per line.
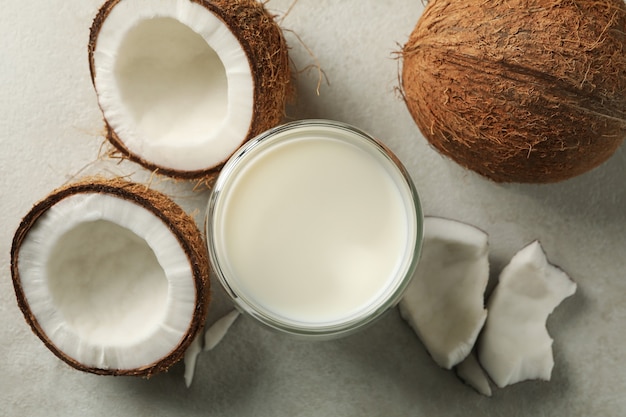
<point>182,84</point>
<point>515,344</point>
<point>112,276</point>
<point>444,303</point>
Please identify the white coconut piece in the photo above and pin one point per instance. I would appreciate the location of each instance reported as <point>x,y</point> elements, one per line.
<point>474,375</point>
<point>444,303</point>
<point>515,344</point>
<point>190,359</point>
<point>111,276</point>
<point>178,82</point>
<point>212,337</point>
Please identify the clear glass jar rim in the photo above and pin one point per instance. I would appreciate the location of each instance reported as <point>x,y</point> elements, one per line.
<point>272,321</point>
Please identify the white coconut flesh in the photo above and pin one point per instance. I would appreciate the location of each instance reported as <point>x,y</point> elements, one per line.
<point>212,337</point>
<point>474,375</point>
<point>107,281</point>
<point>173,82</point>
<point>444,303</point>
<point>515,345</point>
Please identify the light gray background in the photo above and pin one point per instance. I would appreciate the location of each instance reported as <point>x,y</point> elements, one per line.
<point>51,133</point>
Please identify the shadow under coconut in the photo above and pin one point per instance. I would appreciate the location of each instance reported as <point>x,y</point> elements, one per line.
<point>398,377</point>
<point>225,379</point>
<point>396,369</point>
<point>599,192</point>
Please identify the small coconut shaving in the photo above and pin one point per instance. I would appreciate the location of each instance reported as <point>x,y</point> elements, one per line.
<point>474,375</point>
<point>212,337</point>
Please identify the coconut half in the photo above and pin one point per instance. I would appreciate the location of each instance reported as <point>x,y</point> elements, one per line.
<point>444,303</point>
<point>112,276</point>
<point>183,83</point>
<point>515,345</point>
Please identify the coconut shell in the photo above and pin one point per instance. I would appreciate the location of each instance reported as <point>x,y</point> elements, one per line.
<point>265,46</point>
<point>182,226</point>
<point>519,90</point>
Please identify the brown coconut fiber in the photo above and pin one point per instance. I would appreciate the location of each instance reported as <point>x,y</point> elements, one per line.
<point>182,226</point>
<point>265,46</point>
<point>519,90</point>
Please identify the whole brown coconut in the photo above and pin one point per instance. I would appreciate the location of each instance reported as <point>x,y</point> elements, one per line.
<point>520,90</point>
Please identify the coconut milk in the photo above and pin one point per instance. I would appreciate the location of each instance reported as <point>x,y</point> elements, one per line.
<point>315,229</point>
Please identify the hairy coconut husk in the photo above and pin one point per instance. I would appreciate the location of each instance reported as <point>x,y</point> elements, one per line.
<point>182,226</point>
<point>265,46</point>
<point>520,90</point>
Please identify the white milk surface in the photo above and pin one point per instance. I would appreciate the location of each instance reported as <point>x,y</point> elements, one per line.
<point>315,230</point>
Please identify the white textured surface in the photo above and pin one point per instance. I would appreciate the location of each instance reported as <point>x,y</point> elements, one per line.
<point>51,128</point>
<point>445,301</point>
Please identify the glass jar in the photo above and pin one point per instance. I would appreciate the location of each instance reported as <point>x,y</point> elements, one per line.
<point>314,228</point>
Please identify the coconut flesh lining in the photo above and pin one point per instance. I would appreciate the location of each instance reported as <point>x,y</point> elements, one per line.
<point>515,344</point>
<point>444,301</point>
<point>107,281</point>
<point>173,82</point>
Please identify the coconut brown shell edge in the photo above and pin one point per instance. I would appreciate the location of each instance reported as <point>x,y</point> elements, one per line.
<point>182,226</point>
<point>265,46</point>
